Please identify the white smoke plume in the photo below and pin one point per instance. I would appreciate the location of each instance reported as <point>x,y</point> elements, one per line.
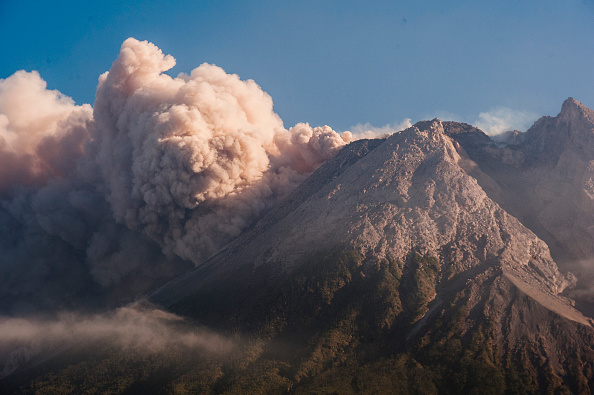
<point>159,170</point>
<point>504,119</point>
<point>368,131</point>
<point>139,328</point>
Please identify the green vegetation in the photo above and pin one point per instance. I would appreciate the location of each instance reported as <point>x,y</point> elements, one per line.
<point>419,286</point>
<point>340,323</point>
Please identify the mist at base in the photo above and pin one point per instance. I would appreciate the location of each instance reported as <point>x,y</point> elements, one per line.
<point>139,329</point>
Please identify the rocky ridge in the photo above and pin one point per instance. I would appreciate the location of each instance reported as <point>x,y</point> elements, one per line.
<point>546,180</point>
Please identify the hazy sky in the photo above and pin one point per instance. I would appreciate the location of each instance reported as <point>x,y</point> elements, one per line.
<point>329,62</point>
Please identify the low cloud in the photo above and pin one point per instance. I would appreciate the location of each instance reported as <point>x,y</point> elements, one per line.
<point>142,329</point>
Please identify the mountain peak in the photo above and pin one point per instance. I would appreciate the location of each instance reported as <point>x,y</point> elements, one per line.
<point>432,125</point>
<point>572,109</point>
<point>570,102</point>
<point>572,129</point>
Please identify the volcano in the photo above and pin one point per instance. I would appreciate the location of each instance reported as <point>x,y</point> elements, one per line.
<point>424,262</point>
<point>405,243</point>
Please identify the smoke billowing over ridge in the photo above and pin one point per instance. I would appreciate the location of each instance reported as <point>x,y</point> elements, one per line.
<point>161,168</point>
<point>166,146</point>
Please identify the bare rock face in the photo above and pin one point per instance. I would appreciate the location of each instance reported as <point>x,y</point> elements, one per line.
<point>564,186</point>
<point>571,129</point>
<point>410,193</point>
<point>546,180</point>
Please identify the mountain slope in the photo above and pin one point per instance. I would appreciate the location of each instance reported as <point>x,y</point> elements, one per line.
<point>403,247</point>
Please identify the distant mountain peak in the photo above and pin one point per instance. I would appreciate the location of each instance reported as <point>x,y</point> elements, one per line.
<point>572,104</point>
<point>572,109</point>
<point>549,137</point>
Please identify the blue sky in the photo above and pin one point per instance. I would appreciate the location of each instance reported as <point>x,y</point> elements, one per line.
<point>339,63</point>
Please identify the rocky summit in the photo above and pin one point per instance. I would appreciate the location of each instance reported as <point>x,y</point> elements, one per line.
<point>435,260</point>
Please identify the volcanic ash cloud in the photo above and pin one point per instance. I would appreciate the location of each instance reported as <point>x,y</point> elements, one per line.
<point>159,169</point>
<point>192,160</point>
<point>42,132</point>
